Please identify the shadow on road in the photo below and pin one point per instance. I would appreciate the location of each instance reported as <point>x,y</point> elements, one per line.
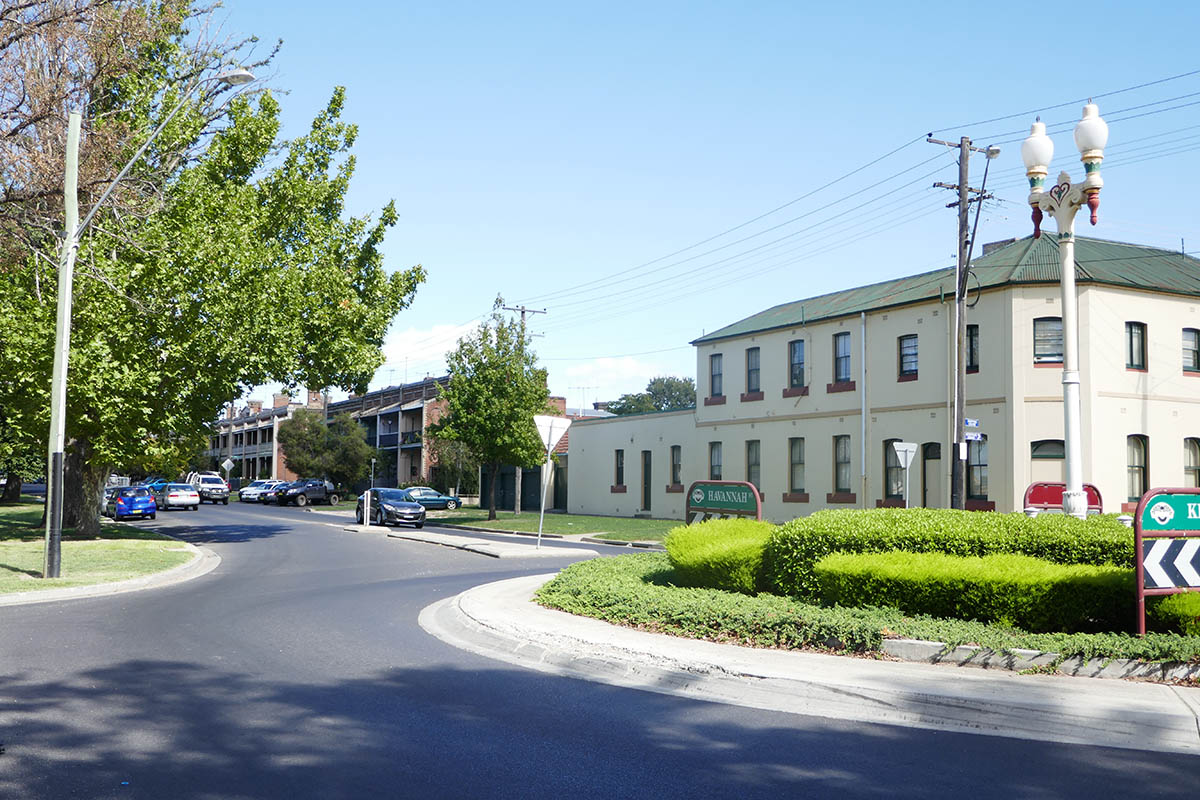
<point>209,533</point>
<point>154,729</point>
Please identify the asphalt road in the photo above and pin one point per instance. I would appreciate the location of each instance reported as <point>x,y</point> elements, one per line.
<point>297,670</point>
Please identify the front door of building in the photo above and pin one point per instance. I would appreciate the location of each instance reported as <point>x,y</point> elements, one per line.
<point>645,480</point>
<point>931,475</point>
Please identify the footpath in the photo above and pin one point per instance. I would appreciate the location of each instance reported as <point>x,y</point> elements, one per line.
<point>500,621</point>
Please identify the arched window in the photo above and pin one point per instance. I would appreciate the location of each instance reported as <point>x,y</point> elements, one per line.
<point>1136,448</point>
<point>1191,463</point>
<point>893,473</point>
<point>977,470</point>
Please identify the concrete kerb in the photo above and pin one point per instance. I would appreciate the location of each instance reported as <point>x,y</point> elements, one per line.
<point>203,561</point>
<point>485,547</point>
<point>500,621</point>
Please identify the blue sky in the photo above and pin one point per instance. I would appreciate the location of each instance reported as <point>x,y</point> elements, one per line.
<point>558,154</point>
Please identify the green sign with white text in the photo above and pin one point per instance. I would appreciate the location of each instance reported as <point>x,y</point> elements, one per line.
<point>1171,512</point>
<point>724,497</point>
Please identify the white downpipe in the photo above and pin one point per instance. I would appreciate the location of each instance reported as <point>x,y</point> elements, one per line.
<point>862,459</point>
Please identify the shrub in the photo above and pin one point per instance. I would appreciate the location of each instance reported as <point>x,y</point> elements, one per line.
<point>1028,592</point>
<point>639,591</point>
<point>720,553</point>
<point>795,547</point>
<point>1178,613</point>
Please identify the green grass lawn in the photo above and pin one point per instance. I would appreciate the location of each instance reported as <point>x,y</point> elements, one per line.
<point>121,551</point>
<point>622,529</point>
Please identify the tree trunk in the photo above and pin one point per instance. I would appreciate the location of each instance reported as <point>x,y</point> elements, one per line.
<point>83,485</point>
<point>12,489</point>
<point>493,474</point>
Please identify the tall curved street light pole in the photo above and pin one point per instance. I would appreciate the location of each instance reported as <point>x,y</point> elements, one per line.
<point>1062,202</point>
<point>72,231</point>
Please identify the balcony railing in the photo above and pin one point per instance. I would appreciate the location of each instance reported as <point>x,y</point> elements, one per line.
<point>410,438</point>
<point>388,439</point>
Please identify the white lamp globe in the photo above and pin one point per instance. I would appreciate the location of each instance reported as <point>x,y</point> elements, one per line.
<point>1037,149</point>
<point>1091,134</point>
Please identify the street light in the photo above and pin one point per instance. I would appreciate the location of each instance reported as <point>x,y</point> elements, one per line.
<point>72,230</point>
<point>1062,202</point>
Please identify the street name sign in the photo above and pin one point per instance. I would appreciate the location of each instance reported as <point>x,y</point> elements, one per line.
<point>722,499</point>
<point>973,437</point>
<point>1166,529</point>
<point>970,423</point>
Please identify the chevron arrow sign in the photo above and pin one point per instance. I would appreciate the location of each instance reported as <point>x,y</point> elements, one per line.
<point>1170,563</point>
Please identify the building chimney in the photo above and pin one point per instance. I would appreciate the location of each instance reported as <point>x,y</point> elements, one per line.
<point>280,400</point>
<point>559,404</point>
<point>255,406</point>
<point>315,399</point>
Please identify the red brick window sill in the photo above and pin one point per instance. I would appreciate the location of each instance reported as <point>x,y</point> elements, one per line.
<point>1048,365</point>
<point>715,401</point>
<point>617,489</point>
<point>906,378</point>
<point>980,505</point>
<point>1136,369</point>
<point>1195,373</point>
<point>890,502</point>
<point>841,498</point>
<point>674,488</point>
<point>802,391</point>
<point>795,497</point>
<point>844,386</point>
<point>750,397</point>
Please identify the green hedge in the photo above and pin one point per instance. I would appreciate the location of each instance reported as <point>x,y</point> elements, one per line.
<point>641,591</point>
<point>1028,592</point>
<point>795,547</point>
<point>1179,613</point>
<point>720,553</point>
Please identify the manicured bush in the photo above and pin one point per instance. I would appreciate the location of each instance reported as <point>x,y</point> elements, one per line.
<point>1020,590</point>
<point>1178,613</point>
<point>795,547</point>
<point>720,553</point>
<point>641,591</point>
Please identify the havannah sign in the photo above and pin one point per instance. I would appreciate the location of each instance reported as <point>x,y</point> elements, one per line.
<point>722,499</point>
<point>1166,531</point>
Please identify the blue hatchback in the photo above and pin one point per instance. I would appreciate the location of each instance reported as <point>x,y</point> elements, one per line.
<point>131,501</point>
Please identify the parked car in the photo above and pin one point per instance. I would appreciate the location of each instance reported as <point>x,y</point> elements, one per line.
<point>391,507</point>
<point>154,484</point>
<point>309,490</point>
<point>273,494</point>
<point>253,492</point>
<point>211,488</point>
<point>130,501</point>
<point>109,491</point>
<point>178,495</point>
<point>432,498</point>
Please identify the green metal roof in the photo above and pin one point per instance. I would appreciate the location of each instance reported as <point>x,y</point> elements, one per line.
<point>1025,261</point>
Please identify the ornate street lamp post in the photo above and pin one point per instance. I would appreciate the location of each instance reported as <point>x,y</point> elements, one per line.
<point>1062,201</point>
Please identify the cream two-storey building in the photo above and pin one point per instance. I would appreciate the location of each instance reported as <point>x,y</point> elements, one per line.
<point>806,398</point>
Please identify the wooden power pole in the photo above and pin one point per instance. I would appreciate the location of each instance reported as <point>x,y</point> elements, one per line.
<point>517,468</point>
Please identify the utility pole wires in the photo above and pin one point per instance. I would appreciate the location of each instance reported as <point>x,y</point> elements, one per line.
<point>517,468</point>
<point>962,270</point>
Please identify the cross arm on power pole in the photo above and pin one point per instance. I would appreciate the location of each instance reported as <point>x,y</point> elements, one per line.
<point>929,138</point>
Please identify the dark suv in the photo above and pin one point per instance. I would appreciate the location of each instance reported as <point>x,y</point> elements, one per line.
<point>309,490</point>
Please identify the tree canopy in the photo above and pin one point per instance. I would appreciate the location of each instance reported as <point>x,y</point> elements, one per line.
<point>225,261</point>
<point>337,451</point>
<point>664,393</point>
<point>495,389</point>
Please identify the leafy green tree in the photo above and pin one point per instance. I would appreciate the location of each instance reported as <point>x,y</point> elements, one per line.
<point>456,468</point>
<point>302,438</point>
<point>664,393</point>
<point>226,261</point>
<point>337,451</point>
<point>347,454</point>
<point>638,403</point>
<point>495,390</point>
